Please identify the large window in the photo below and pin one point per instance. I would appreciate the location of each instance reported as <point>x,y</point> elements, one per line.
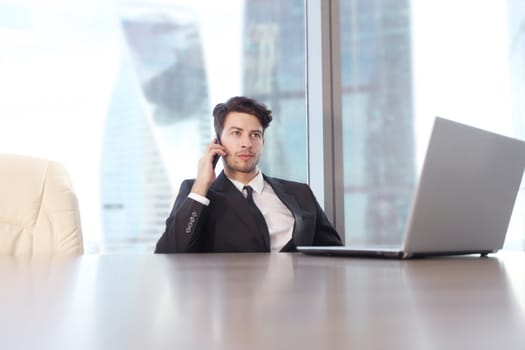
<point>122,93</point>
<point>403,63</point>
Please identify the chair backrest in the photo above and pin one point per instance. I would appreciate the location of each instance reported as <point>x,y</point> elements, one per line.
<point>39,212</point>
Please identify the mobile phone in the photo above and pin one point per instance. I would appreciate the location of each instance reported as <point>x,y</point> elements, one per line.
<point>216,157</point>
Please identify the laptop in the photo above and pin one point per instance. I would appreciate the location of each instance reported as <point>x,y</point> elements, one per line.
<point>464,199</point>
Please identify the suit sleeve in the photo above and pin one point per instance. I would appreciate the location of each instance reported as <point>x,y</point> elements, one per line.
<point>325,233</point>
<point>184,233</point>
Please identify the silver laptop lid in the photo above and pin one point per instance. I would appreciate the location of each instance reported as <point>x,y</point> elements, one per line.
<point>467,189</point>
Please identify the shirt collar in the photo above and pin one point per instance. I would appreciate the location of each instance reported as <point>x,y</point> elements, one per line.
<point>257,183</point>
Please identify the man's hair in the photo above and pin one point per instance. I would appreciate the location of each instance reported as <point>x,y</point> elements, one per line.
<point>244,105</point>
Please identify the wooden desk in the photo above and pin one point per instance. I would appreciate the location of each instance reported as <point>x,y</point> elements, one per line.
<point>262,301</point>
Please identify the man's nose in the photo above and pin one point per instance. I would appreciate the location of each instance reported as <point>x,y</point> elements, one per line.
<point>246,141</point>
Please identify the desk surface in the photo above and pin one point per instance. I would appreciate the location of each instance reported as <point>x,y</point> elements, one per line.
<point>262,301</point>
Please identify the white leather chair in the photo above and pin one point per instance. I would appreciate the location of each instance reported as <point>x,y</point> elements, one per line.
<point>38,209</point>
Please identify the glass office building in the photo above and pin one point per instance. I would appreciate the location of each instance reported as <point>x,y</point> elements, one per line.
<point>378,132</point>
<point>134,183</point>
<point>274,72</point>
<point>158,109</point>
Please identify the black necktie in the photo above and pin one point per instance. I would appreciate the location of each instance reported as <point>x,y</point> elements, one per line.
<point>259,218</point>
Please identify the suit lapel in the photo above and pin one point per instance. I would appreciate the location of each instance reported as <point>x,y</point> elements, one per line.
<point>290,202</point>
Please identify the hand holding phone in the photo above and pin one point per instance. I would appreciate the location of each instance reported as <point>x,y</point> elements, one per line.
<point>206,174</point>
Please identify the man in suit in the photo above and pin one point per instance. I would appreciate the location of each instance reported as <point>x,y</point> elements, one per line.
<point>241,209</point>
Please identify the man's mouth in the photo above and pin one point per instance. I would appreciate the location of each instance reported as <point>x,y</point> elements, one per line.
<point>245,156</point>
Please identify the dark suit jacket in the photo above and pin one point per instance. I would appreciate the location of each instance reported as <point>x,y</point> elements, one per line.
<point>226,224</point>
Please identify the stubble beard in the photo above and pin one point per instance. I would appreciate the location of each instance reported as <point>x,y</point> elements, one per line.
<point>249,169</point>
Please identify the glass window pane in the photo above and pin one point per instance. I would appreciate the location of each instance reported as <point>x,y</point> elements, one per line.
<point>132,85</point>
<point>378,130</point>
<point>403,63</point>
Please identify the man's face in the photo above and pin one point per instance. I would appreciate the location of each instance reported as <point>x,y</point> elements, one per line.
<point>242,136</point>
